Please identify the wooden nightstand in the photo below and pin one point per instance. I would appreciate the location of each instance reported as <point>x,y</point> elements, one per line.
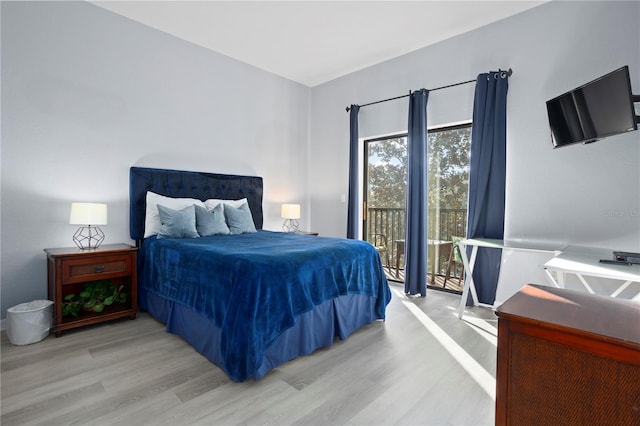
<point>68,269</point>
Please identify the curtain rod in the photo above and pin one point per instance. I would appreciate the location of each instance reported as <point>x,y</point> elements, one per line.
<point>502,73</point>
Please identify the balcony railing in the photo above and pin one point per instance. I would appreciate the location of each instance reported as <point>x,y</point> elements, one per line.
<point>443,224</point>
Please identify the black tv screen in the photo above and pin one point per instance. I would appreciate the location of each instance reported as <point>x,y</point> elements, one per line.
<point>600,108</point>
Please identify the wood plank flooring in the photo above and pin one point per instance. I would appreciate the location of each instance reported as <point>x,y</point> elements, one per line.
<point>134,373</point>
<point>452,284</point>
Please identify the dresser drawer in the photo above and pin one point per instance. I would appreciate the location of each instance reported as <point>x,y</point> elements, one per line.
<point>95,268</point>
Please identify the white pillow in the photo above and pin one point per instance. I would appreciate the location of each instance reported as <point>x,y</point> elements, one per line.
<point>211,203</point>
<point>152,224</point>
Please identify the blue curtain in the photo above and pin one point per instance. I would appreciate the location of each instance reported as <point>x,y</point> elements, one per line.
<point>352,213</point>
<point>415,280</point>
<point>487,177</point>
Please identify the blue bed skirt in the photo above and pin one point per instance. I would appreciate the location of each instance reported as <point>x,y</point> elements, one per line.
<point>314,329</point>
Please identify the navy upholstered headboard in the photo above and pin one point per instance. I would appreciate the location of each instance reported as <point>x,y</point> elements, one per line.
<point>178,183</point>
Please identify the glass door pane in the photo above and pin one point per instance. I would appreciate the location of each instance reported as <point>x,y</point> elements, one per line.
<point>385,186</point>
<point>447,198</point>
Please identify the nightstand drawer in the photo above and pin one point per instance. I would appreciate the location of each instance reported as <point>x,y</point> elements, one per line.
<point>95,268</point>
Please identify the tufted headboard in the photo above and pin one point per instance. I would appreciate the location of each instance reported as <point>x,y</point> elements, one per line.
<point>178,183</point>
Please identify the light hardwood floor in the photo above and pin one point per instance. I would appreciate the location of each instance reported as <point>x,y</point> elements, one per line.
<point>420,367</point>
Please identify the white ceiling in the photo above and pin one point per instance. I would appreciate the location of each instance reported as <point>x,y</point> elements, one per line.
<point>312,42</point>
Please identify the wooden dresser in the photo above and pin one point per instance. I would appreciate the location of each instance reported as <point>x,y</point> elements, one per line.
<point>567,358</point>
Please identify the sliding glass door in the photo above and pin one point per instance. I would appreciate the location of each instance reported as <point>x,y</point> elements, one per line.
<point>384,194</point>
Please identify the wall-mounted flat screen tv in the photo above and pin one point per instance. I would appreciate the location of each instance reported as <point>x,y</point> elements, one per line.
<point>600,108</point>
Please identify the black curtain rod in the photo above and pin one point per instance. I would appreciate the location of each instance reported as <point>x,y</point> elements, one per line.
<point>507,73</point>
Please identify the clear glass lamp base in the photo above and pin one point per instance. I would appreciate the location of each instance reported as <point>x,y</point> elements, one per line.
<point>290,225</point>
<point>88,237</point>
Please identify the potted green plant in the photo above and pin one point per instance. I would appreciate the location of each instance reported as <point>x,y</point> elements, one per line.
<point>95,295</point>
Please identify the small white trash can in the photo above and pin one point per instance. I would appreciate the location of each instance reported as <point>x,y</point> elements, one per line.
<point>29,322</point>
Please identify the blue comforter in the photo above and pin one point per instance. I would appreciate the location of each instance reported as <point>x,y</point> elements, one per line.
<point>253,286</point>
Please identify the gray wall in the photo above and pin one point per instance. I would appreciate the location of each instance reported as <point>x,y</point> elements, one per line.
<point>86,94</point>
<point>578,195</point>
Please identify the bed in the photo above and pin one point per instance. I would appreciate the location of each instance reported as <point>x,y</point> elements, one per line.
<point>253,300</point>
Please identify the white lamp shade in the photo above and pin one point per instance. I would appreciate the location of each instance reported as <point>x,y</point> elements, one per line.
<point>88,214</point>
<point>290,211</point>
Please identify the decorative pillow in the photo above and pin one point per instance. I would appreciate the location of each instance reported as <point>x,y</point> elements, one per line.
<point>177,223</point>
<point>239,219</point>
<point>211,222</point>
<point>152,222</point>
<point>211,203</point>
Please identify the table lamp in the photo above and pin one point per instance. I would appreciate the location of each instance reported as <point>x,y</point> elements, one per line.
<point>290,213</point>
<point>89,216</point>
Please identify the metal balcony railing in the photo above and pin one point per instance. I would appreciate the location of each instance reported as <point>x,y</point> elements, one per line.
<point>443,224</point>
